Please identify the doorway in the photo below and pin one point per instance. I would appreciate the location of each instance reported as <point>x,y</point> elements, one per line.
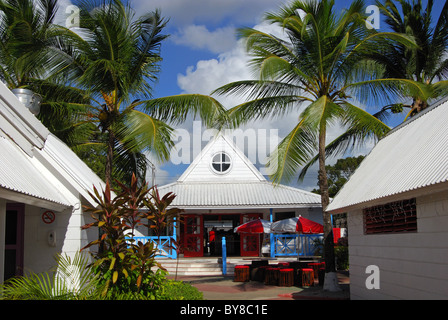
<point>217,226</point>
<point>15,216</point>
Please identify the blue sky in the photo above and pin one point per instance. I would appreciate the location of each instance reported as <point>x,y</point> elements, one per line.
<point>202,53</point>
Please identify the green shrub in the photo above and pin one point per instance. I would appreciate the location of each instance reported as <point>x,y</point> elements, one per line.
<point>179,290</point>
<point>341,254</point>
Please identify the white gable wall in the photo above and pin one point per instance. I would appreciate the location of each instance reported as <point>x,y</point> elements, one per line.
<point>241,168</point>
<point>412,265</point>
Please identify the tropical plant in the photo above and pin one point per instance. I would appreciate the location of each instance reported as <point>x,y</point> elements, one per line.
<point>316,68</point>
<point>116,60</point>
<point>28,49</point>
<point>123,264</point>
<point>426,64</point>
<point>71,279</point>
<point>31,57</point>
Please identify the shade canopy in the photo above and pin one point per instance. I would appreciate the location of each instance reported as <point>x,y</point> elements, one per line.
<point>297,224</point>
<point>254,226</point>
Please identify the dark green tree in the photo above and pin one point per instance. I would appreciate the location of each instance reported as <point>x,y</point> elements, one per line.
<point>339,173</point>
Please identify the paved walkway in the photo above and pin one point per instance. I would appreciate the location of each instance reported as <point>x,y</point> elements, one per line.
<point>224,288</point>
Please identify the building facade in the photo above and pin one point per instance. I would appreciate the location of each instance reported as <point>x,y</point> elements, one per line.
<point>43,186</point>
<point>221,190</point>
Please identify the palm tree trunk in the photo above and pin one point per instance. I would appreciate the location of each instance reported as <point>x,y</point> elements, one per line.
<point>109,156</point>
<point>330,265</point>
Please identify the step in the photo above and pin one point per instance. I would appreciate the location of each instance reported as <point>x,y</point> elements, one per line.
<point>197,267</point>
<point>203,266</point>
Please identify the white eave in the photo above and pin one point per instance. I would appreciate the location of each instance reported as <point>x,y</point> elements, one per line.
<point>238,195</point>
<point>35,166</point>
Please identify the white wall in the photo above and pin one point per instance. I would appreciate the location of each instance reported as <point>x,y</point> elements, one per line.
<point>411,265</point>
<point>39,255</point>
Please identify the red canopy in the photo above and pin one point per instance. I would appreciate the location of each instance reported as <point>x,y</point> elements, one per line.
<point>254,226</point>
<point>308,226</point>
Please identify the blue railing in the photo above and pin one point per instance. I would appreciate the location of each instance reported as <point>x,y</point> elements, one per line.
<point>295,244</point>
<point>163,244</point>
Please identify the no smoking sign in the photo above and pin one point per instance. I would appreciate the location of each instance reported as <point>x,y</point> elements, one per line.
<point>48,217</point>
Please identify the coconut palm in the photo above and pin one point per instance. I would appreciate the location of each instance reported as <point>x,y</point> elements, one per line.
<point>427,63</point>
<point>31,58</point>
<point>116,60</point>
<point>315,69</point>
<point>28,41</point>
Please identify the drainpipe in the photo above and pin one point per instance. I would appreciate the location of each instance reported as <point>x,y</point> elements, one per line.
<point>271,235</point>
<point>224,257</point>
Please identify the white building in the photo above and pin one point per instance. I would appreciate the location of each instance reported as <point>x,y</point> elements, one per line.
<point>222,189</point>
<point>43,186</point>
<point>397,208</point>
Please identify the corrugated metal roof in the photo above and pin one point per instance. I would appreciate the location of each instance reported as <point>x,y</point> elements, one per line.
<point>412,156</point>
<point>20,174</point>
<point>231,195</point>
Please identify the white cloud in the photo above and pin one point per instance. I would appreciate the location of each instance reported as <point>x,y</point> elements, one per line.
<point>182,13</point>
<point>199,37</point>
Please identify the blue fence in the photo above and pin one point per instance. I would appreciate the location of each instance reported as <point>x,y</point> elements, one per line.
<point>295,244</point>
<point>164,245</point>
<point>284,245</point>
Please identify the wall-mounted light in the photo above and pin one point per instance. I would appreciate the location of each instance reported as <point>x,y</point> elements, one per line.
<point>30,99</point>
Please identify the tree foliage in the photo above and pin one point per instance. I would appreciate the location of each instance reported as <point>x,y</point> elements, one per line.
<point>339,173</point>
<point>427,63</point>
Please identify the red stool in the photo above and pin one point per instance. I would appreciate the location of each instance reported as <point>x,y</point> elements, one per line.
<point>283,264</point>
<point>271,276</point>
<point>241,274</point>
<point>260,276</point>
<point>286,277</point>
<point>321,276</point>
<point>307,277</point>
<point>316,267</point>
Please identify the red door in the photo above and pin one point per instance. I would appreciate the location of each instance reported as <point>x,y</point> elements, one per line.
<point>249,243</point>
<point>193,236</point>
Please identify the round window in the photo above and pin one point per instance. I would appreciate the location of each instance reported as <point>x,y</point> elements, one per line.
<point>221,162</point>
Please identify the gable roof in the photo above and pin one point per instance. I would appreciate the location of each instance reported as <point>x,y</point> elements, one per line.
<point>35,165</point>
<point>242,186</point>
<point>241,168</point>
<point>411,157</point>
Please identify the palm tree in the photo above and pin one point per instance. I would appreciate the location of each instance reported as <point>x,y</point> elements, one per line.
<point>116,59</point>
<point>31,58</point>
<point>28,41</point>
<point>316,69</point>
<point>427,63</point>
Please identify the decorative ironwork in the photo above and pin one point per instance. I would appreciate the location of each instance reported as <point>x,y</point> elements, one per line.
<point>295,244</point>
<point>164,245</point>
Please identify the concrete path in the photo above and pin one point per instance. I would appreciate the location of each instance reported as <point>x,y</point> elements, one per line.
<point>224,288</point>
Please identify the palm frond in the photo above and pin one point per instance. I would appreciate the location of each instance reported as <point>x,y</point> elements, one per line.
<point>175,109</point>
<point>292,152</point>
